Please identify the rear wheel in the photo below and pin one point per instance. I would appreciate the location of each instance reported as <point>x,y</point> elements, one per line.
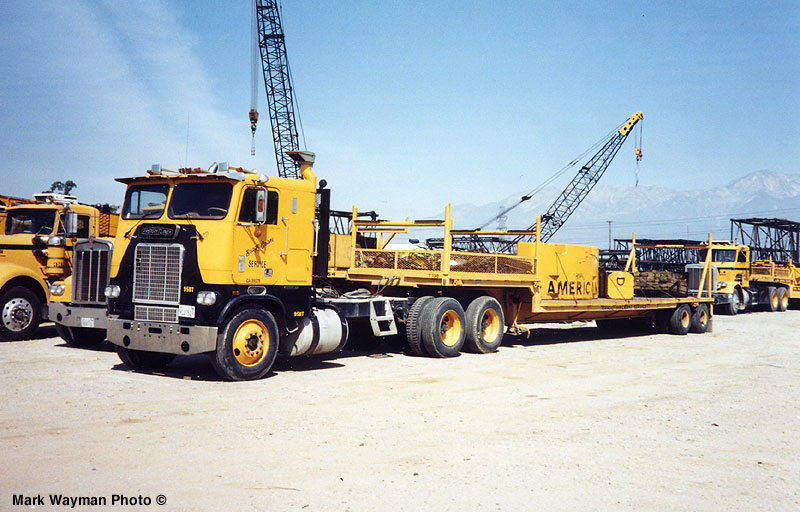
<point>413,334</point>
<point>143,360</point>
<point>700,319</point>
<point>20,314</point>
<point>484,325</point>
<point>680,320</point>
<point>783,299</point>
<point>772,298</point>
<point>442,327</point>
<point>248,345</point>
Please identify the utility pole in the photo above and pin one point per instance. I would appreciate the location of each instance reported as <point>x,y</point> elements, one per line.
<point>609,234</point>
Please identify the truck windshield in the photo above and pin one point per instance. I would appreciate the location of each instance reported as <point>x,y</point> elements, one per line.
<point>30,221</point>
<point>145,201</point>
<point>200,201</point>
<point>720,256</point>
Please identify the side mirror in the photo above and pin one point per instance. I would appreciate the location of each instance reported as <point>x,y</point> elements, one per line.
<point>261,207</point>
<point>71,223</point>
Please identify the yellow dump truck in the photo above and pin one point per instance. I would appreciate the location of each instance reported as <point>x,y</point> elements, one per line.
<point>741,284</point>
<point>242,267</point>
<point>35,251</point>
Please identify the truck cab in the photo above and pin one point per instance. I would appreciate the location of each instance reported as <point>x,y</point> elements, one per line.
<point>35,251</point>
<point>208,258</point>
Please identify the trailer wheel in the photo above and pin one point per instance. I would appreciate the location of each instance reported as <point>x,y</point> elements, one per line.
<point>442,327</point>
<point>143,360</point>
<point>484,325</point>
<point>772,299</point>
<point>700,319</point>
<point>680,320</point>
<point>248,345</point>
<point>413,334</point>
<point>20,314</point>
<point>783,299</point>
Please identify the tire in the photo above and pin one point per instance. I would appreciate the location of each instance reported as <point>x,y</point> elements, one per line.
<point>680,320</point>
<point>413,334</point>
<point>732,307</point>
<point>700,319</point>
<point>783,299</point>
<point>485,325</point>
<point>80,336</point>
<point>20,314</point>
<point>442,327</point>
<point>248,345</point>
<point>143,360</point>
<point>772,299</point>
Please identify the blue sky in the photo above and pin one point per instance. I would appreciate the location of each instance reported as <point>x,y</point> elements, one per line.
<point>408,105</point>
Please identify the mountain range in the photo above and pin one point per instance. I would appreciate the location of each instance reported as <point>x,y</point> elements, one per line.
<point>650,211</point>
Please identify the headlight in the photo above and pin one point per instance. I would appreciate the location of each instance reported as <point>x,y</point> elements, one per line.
<point>206,298</point>
<point>57,289</point>
<point>721,284</point>
<point>112,291</point>
<point>56,241</point>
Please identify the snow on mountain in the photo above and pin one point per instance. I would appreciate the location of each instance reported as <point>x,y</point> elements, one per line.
<point>650,211</point>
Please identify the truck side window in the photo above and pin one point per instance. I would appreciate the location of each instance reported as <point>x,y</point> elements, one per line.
<point>742,257</point>
<point>247,210</point>
<point>272,207</point>
<point>83,226</point>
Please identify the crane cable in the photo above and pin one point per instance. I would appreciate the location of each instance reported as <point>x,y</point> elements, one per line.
<point>638,149</point>
<point>254,54</point>
<point>554,177</point>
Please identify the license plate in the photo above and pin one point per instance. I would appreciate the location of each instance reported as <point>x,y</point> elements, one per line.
<point>87,322</point>
<point>186,311</point>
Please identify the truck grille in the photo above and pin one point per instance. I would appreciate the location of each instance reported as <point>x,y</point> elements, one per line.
<point>91,263</point>
<point>157,273</point>
<point>695,274</point>
<point>155,314</point>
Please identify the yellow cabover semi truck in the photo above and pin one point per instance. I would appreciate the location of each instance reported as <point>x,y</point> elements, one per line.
<point>36,250</point>
<point>243,267</point>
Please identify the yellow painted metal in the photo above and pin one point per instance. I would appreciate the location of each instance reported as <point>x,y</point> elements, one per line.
<point>630,123</point>
<point>233,252</point>
<point>619,285</point>
<point>490,325</point>
<point>251,343</point>
<point>450,328</point>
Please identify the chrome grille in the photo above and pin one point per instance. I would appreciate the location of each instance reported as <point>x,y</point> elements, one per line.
<point>91,263</point>
<point>695,275</point>
<point>155,314</point>
<point>157,273</point>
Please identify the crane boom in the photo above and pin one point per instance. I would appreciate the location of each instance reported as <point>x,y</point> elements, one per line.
<point>278,83</point>
<point>583,182</point>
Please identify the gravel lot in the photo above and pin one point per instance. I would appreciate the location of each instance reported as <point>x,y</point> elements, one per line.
<point>570,419</point>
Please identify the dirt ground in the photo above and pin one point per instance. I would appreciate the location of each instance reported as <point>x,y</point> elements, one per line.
<point>571,419</point>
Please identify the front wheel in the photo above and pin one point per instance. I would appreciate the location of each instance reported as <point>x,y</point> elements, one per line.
<point>143,360</point>
<point>735,303</point>
<point>20,314</point>
<point>248,345</point>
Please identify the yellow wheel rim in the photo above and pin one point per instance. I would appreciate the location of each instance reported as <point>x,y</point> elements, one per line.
<point>686,318</point>
<point>785,301</point>
<point>702,318</point>
<point>490,325</point>
<point>774,300</point>
<point>250,343</point>
<point>450,328</point>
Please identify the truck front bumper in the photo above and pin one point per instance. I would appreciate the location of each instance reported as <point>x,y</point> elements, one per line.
<point>162,337</point>
<point>71,315</point>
